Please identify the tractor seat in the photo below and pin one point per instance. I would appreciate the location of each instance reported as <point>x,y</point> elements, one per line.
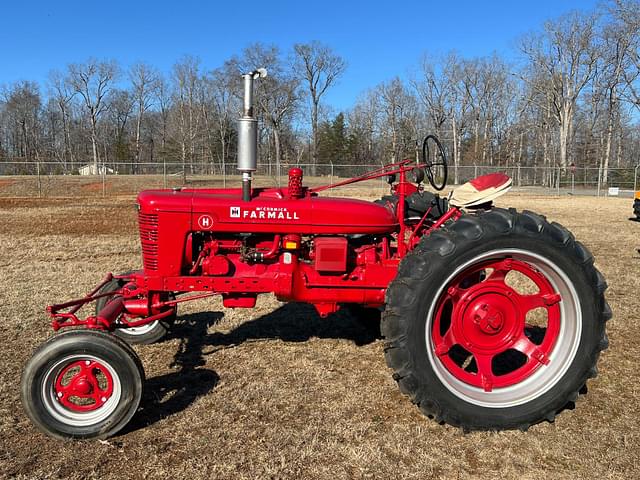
<point>481,190</point>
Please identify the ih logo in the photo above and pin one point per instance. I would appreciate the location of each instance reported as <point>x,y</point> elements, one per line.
<point>205,222</point>
<point>234,212</point>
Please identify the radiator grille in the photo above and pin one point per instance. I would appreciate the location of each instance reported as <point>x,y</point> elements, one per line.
<point>149,240</point>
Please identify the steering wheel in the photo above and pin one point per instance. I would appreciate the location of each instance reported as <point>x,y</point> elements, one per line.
<point>435,170</point>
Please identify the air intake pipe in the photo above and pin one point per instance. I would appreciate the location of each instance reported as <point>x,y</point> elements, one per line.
<point>248,134</point>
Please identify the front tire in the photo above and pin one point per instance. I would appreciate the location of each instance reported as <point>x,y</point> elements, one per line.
<point>82,384</point>
<point>477,352</point>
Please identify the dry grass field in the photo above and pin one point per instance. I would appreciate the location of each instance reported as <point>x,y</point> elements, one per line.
<point>277,392</point>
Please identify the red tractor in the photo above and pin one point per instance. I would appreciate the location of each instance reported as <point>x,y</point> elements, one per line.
<point>492,319</point>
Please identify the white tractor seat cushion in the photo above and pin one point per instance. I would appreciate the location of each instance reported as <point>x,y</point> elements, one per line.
<point>481,190</point>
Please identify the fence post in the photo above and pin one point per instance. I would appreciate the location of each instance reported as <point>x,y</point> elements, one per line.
<point>559,176</point>
<point>573,182</point>
<point>278,173</point>
<point>635,178</point>
<point>164,171</point>
<point>331,176</point>
<point>39,179</point>
<point>224,174</point>
<point>104,179</point>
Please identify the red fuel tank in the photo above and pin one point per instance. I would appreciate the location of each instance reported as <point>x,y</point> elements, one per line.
<point>270,211</point>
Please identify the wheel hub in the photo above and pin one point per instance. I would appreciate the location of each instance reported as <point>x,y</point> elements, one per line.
<point>80,386</point>
<point>486,319</point>
<point>83,385</point>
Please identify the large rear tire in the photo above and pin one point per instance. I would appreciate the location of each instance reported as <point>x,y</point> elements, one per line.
<point>82,384</point>
<point>145,334</point>
<point>495,321</point>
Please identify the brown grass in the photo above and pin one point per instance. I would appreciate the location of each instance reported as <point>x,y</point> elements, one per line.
<point>277,392</point>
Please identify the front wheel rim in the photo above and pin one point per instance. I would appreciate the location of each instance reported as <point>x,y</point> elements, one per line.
<point>486,322</point>
<point>81,390</point>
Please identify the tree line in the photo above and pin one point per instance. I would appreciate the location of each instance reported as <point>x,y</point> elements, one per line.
<point>571,100</point>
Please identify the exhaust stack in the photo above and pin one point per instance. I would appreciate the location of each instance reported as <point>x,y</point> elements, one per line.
<point>248,134</point>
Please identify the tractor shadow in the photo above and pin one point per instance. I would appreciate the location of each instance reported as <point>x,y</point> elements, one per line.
<point>168,394</point>
<point>171,393</point>
<point>292,322</point>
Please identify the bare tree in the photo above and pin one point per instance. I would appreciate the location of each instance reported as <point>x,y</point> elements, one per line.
<point>364,123</point>
<point>459,105</point>
<point>572,99</point>
<point>398,108</point>
<point>23,105</point>
<point>163,100</point>
<point>221,87</point>
<point>433,91</point>
<point>144,80</point>
<point>321,67</point>
<point>626,18</point>
<point>63,95</point>
<point>278,102</point>
<point>92,81</point>
<point>615,55</point>
<point>187,82</point>
<point>277,95</point>
<point>566,54</point>
<point>496,88</point>
<point>439,95</point>
<point>120,108</point>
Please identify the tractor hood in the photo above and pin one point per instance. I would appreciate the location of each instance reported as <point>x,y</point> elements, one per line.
<point>270,211</point>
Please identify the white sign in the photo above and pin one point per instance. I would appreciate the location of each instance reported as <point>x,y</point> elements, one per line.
<point>614,191</point>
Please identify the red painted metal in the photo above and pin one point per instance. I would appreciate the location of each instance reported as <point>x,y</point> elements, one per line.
<point>306,216</point>
<point>126,321</point>
<point>389,169</point>
<point>273,250</point>
<point>290,242</point>
<point>216,265</point>
<point>240,300</point>
<point>83,385</point>
<point>330,254</point>
<point>295,183</point>
<point>453,213</point>
<point>488,319</point>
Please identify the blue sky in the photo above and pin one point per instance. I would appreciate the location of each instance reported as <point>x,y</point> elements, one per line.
<point>378,39</point>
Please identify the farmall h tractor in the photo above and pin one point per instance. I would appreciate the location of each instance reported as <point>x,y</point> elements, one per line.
<point>492,319</point>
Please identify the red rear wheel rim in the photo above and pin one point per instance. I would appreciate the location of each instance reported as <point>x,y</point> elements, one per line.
<point>484,322</point>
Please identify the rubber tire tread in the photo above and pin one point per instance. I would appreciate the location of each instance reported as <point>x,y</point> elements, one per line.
<point>83,341</point>
<point>405,314</point>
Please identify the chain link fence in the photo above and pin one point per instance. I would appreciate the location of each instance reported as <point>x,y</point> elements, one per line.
<point>44,179</point>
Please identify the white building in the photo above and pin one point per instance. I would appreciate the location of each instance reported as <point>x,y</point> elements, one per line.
<point>91,169</point>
